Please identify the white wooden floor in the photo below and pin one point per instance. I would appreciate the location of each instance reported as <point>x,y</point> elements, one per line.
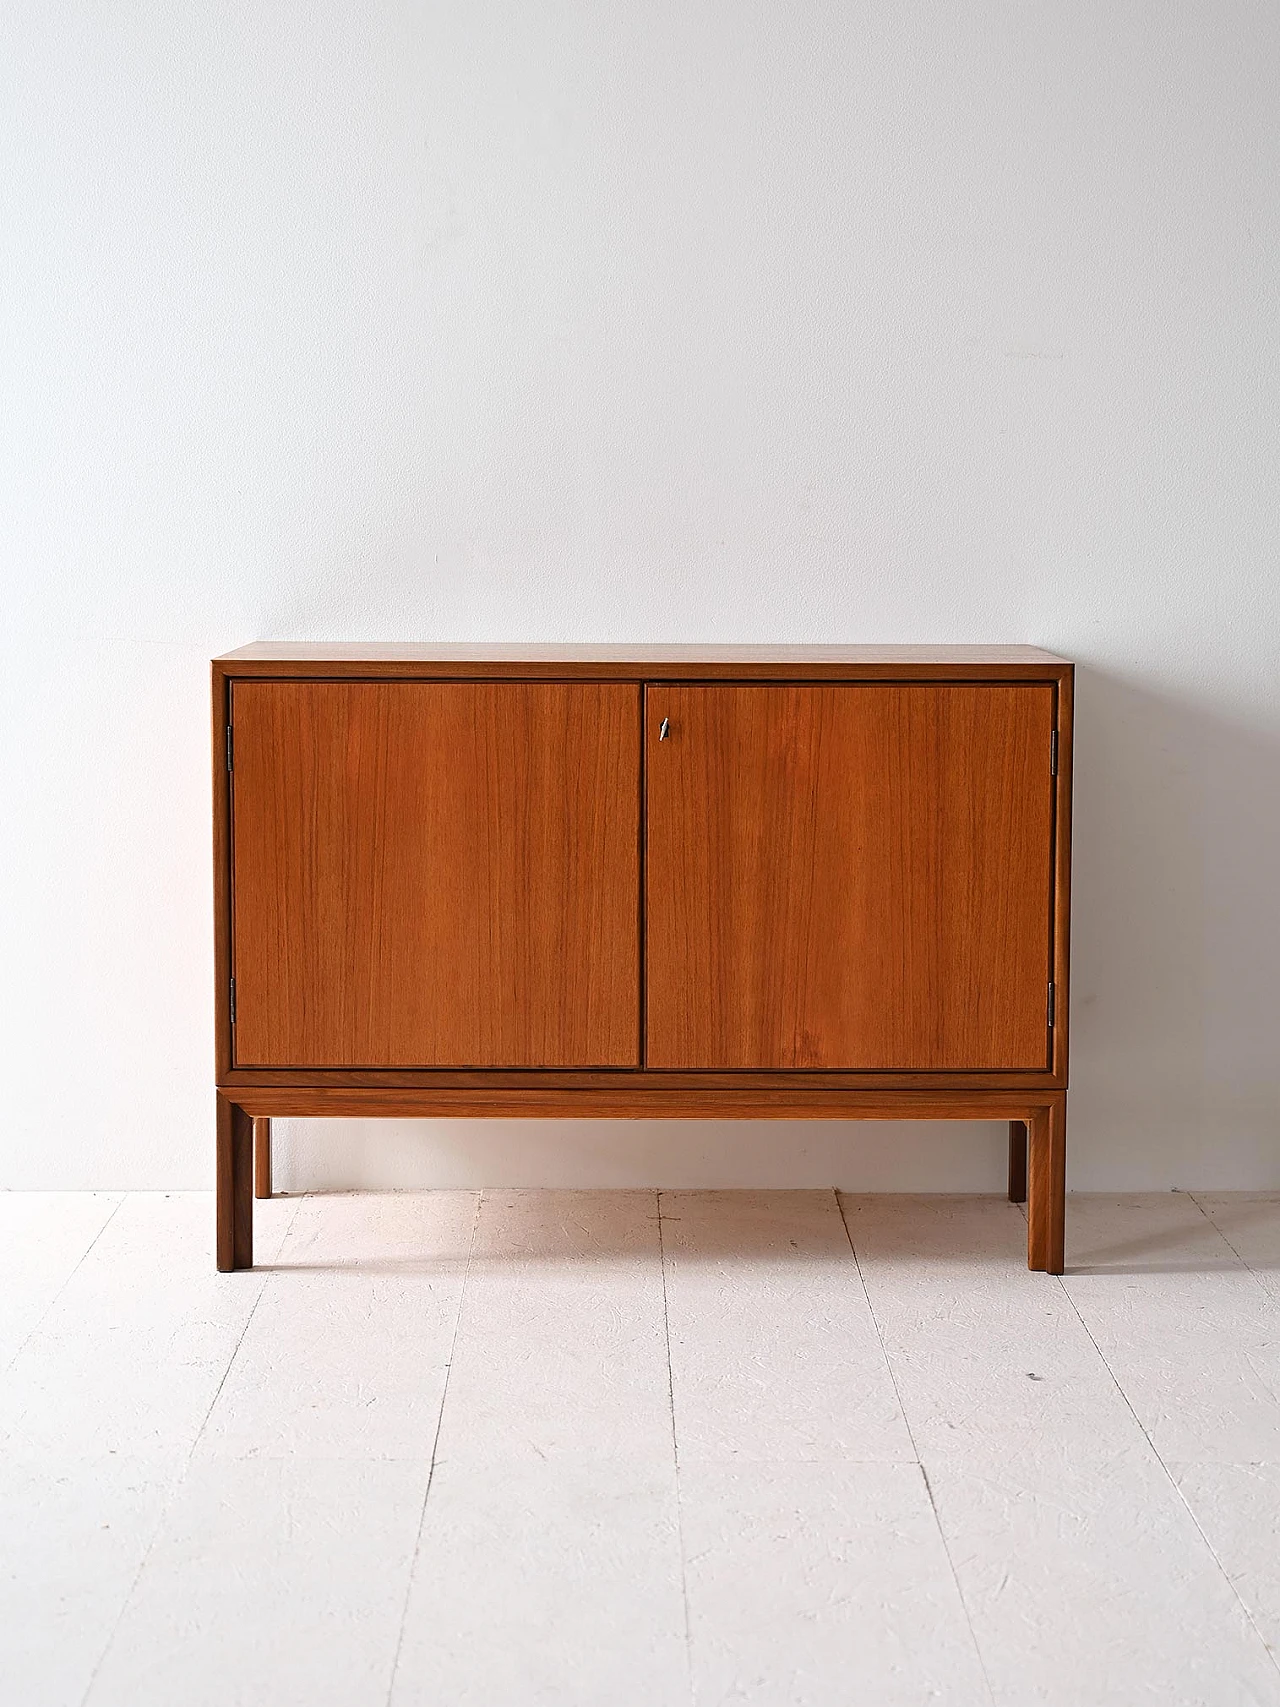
<point>606,1448</point>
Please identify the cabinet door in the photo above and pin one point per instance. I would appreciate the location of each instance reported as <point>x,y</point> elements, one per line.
<point>849,876</point>
<point>436,874</point>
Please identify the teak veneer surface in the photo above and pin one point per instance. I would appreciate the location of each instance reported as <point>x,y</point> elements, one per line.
<point>436,875</point>
<point>692,1102</point>
<point>426,652</point>
<point>849,877</point>
<point>643,663</point>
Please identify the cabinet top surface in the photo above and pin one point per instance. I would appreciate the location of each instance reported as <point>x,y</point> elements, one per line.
<point>682,659</point>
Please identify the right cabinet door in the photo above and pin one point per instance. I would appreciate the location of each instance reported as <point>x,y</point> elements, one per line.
<point>849,876</point>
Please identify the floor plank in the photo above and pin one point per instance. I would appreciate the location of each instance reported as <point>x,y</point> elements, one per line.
<point>1186,1329</point>
<point>989,1359</point>
<point>347,1354</point>
<point>774,1351</point>
<point>43,1235</point>
<point>1180,1293</point>
<point>273,1583</point>
<point>1237,1506</point>
<point>1082,1571</point>
<point>1250,1223</point>
<point>554,1583</point>
<point>212,1487</point>
<point>816,1584</point>
<point>129,1357</point>
<point>73,1535</point>
<point>561,1348</point>
<point>1087,1581</point>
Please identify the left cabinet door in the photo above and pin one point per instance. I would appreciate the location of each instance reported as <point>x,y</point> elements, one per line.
<point>433,874</point>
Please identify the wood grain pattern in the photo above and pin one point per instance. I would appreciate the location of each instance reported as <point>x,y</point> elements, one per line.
<point>1017,1161</point>
<point>640,662</point>
<point>436,874</point>
<point>627,1080</point>
<point>849,877</point>
<point>637,1102</point>
<point>1047,1187</point>
<point>262,1158</point>
<point>234,1176</point>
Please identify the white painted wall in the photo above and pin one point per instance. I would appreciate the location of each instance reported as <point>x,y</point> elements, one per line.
<point>720,320</point>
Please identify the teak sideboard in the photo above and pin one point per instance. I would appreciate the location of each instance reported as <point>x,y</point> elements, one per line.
<point>697,882</point>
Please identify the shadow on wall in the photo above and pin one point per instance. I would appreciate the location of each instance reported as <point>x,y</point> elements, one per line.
<point>319,1155</point>
<point>1175,943</point>
<point>1175,962</point>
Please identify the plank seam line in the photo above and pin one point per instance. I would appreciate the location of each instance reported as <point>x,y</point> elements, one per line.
<point>75,1269</point>
<point>1155,1453</point>
<point>435,1447</point>
<point>906,1420</point>
<point>172,1495</point>
<point>675,1450</point>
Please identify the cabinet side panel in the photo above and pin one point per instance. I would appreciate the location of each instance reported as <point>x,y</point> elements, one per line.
<point>849,877</point>
<point>436,874</point>
<point>222,1049</point>
<point>1062,873</point>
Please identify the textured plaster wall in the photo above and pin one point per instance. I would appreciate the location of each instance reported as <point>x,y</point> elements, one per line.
<point>628,321</point>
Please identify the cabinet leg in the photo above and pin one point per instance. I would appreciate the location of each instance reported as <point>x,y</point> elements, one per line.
<point>1047,1187</point>
<point>262,1158</point>
<point>1017,1161</point>
<point>235,1186</point>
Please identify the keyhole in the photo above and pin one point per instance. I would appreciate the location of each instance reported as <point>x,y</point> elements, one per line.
<point>664,729</point>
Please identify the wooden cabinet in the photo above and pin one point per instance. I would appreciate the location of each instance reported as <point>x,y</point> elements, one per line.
<point>825,882</point>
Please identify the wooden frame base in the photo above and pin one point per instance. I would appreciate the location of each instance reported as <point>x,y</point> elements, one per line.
<point>1017,1161</point>
<point>235,1186</point>
<point>1047,1186</point>
<point>261,1157</point>
<point>1037,1132</point>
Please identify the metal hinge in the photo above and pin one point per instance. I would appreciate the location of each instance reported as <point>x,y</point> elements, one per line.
<point>233,1000</point>
<point>229,764</point>
<point>1053,1002</point>
<point>1053,752</point>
